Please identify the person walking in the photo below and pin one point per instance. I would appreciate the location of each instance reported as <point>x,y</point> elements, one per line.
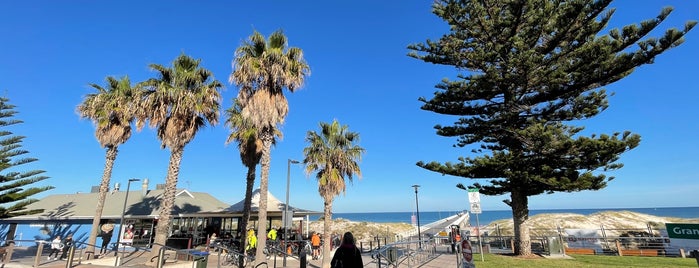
<point>347,255</point>
<point>67,244</point>
<point>56,247</point>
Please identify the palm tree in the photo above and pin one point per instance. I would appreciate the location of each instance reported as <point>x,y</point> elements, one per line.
<point>111,109</point>
<point>250,147</point>
<point>180,101</point>
<point>262,69</point>
<point>333,154</point>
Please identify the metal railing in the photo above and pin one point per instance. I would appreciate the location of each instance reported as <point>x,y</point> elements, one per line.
<point>411,253</point>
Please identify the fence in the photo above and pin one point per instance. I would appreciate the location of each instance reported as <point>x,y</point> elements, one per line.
<point>641,241</point>
<point>409,253</point>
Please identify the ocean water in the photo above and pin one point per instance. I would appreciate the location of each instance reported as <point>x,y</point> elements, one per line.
<point>488,216</point>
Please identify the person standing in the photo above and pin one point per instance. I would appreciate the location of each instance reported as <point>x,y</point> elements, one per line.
<point>315,245</point>
<point>347,255</point>
<point>106,235</point>
<point>252,242</point>
<point>212,242</point>
<point>67,244</point>
<point>56,246</point>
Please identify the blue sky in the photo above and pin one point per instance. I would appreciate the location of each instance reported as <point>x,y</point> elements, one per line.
<point>360,75</point>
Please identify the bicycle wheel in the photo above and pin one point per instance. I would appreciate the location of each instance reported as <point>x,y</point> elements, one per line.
<point>226,260</point>
<point>307,248</point>
<point>267,253</point>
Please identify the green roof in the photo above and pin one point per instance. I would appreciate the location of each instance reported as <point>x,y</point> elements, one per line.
<point>140,204</point>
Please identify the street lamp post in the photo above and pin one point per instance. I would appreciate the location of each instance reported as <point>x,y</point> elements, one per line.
<point>286,203</point>
<point>123,211</point>
<point>417,208</point>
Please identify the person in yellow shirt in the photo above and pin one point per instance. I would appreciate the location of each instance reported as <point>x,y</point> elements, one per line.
<point>252,241</point>
<point>272,234</point>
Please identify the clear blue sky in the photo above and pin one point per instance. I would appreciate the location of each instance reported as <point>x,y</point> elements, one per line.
<point>52,50</point>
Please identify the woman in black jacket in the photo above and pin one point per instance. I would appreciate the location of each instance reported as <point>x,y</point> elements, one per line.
<point>347,255</point>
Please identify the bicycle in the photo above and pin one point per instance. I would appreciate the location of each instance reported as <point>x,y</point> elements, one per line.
<point>232,257</point>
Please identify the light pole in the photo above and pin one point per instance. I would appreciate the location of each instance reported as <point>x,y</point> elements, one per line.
<point>286,203</point>
<point>417,208</point>
<point>123,211</point>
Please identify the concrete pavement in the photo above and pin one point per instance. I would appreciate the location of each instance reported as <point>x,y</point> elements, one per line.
<point>440,260</point>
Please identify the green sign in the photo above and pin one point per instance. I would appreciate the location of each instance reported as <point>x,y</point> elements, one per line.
<point>682,230</point>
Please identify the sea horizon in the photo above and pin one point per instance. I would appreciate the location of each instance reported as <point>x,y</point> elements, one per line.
<point>488,216</point>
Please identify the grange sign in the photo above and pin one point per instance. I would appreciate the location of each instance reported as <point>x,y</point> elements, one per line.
<point>683,236</point>
<point>682,230</point>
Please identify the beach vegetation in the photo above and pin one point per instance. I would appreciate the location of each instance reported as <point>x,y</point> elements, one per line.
<point>262,69</point>
<point>527,73</point>
<point>112,110</point>
<point>333,154</point>
<point>178,102</point>
<point>16,188</point>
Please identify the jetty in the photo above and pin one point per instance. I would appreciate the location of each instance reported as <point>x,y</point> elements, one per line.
<point>460,219</point>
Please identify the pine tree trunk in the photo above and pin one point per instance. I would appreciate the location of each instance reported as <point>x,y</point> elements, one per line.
<point>264,186</point>
<point>167,200</point>
<point>520,216</point>
<point>110,157</point>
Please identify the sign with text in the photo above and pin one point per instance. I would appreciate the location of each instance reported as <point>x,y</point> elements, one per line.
<point>682,230</point>
<point>476,208</point>
<point>681,237</point>
<point>474,196</point>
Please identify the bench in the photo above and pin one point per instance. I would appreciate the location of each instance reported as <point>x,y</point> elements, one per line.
<point>638,252</point>
<point>580,251</point>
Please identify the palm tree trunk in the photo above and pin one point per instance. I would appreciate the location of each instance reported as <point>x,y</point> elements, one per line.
<point>250,182</point>
<point>110,157</point>
<point>520,216</point>
<point>327,224</point>
<point>264,185</point>
<point>167,200</point>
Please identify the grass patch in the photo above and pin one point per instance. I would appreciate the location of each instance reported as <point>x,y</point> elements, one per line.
<point>497,260</point>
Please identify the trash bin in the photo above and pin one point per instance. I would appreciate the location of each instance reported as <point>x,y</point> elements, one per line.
<point>201,259</point>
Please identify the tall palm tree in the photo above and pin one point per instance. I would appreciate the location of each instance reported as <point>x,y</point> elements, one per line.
<point>333,154</point>
<point>111,109</point>
<point>262,69</point>
<point>250,148</point>
<point>180,101</point>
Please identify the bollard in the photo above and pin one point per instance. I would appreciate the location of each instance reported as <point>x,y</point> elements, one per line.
<point>302,259</point>
<point>71,254</point>
<point>161,258</point>
<point>39,249</point>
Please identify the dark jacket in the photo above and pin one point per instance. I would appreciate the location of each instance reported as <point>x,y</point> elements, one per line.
<point>350,256</point>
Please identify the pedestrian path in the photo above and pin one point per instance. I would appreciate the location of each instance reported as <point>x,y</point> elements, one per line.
<point>440,260</point>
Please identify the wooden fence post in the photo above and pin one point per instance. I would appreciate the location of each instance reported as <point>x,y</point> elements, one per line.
<point>618,248</point>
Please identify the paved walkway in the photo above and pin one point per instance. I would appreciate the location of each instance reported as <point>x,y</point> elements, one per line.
<point>441,260</point>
